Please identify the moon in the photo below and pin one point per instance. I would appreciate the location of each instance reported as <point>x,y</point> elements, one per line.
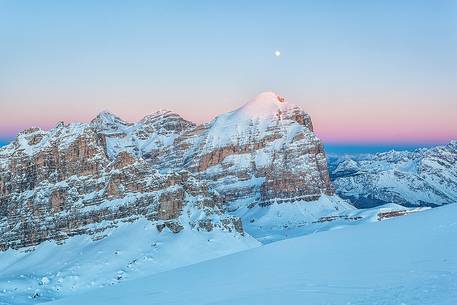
<point>277,53</point>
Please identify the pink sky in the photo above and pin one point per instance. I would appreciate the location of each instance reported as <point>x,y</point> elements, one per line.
<point>336,119</point>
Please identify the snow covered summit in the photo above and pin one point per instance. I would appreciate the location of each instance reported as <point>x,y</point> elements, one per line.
<point>108,122</point>
<point>265,104</point>
<point>256,120</point>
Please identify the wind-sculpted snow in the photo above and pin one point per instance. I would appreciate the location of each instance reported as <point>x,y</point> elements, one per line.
<point>425,177</point>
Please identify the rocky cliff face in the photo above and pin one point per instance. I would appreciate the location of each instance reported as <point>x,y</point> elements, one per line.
<point>425,177</point>
<point>66,182</point>
<point>261,153</point>
<point>83,178</point>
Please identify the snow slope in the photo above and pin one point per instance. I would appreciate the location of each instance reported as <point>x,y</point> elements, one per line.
<point>405,260</point>
<point>130,251</point>
<point>293,219</point>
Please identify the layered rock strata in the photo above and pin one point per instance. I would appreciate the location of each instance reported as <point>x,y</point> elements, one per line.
<point>83,178</point>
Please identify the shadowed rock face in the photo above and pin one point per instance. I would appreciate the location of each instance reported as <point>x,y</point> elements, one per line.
<point>84,178</point>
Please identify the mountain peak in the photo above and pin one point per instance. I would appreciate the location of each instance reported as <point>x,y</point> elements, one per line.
<point>107,116</point>
<point>264,104</point>
<point>107,121</point>
<point>269,97</point>
<point>159,114</point>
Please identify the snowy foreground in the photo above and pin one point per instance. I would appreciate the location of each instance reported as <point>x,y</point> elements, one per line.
<point>130,251</point>
<point>135,250</point>
<point>405,260</point>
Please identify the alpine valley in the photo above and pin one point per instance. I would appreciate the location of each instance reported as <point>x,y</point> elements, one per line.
<point>89,205</point>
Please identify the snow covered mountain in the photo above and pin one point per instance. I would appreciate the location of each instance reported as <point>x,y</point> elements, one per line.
<point>425,177</point>
<point>62,183</point>
<point>84,178</point>
<point>256,157</point>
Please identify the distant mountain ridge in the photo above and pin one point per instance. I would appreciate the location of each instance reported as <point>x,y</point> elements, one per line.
<point>4,142</point>
<point>423,177</point>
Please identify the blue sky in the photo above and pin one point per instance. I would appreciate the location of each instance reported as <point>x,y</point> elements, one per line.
<point>367,71</point>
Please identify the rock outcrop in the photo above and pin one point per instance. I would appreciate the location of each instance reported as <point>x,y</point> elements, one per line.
<point>84,178</point>
<point>67,185</point>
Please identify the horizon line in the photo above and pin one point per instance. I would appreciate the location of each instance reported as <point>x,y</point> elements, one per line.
<point>342,143</point>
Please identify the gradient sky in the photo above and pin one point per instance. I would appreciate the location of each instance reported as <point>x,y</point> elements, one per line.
<point>366,71</point>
